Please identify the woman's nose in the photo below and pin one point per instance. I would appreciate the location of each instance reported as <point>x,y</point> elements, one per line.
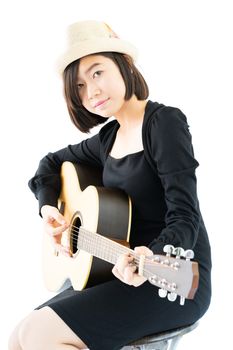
<point>92,90</point>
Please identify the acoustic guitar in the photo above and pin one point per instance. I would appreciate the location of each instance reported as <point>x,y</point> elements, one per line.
<point>99,232</point>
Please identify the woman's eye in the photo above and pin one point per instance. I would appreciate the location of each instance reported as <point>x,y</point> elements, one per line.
<point>98,72</point>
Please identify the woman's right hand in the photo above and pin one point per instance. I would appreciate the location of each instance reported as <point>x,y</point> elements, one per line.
<point>54,224</point>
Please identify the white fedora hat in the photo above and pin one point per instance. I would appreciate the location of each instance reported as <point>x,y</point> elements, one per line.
<point>89,37</point>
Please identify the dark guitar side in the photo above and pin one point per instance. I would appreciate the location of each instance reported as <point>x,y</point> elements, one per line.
<point>113,220</point>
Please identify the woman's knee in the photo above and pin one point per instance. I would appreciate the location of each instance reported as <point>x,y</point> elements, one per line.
<point>13,341</point>
<point>37,330</point>
<point>43,329</point>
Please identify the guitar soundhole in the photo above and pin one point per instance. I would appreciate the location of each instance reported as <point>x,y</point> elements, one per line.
<point>74,234</point>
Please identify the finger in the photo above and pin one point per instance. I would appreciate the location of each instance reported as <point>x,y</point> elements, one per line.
<point>117,274</point>
<point>138,280</point>
<point>143,250</point>
<point>123,269</point>
<point>52,214</point>
<point>124,259</point>
<point>59,218</point>
<point>60,248</point>
<point>54,231</point>
<point>130,277</point>
<point>129,274</point>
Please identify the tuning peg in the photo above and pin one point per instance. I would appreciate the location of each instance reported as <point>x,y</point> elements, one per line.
<point>154,258</point>
<point>162,293</point>
<point>172,296</point>
<point>182,300</point>
<point>168,249</point>
<point>153,279</point>
<point>162,290</point>
<point>189,254</point>
<point>179,252</point>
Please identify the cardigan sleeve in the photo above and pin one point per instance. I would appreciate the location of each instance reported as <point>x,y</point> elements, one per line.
<point>46,183</point>
<point>172,151</point>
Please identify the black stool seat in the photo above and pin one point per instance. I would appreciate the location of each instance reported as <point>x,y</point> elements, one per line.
<point>161,341</point>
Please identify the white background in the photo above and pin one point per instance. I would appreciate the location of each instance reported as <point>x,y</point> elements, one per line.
<point>186,57</point>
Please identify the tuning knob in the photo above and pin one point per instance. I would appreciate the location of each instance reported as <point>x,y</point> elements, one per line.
<point>179,252</point>
<point>182,300</point>
<point>189,254</point>
<point>162,293</point>
<point>153,279</point>
<point>168,249</point>
<point>162,290</point>
<point>172,296</point>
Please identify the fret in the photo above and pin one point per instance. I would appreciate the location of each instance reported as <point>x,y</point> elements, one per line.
<point>100,246</point>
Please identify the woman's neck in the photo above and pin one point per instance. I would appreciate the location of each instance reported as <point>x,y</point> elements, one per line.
<point>131,114</point>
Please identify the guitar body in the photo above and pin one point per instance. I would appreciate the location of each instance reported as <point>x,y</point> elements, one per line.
<point>85,202</point>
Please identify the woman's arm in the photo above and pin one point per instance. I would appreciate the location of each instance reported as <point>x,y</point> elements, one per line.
<point>46,183</point>
<point>172,151</point>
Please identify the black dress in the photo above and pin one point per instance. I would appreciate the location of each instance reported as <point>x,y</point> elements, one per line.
<point>165,210</point>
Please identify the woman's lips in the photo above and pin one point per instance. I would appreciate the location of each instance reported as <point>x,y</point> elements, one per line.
<point>100,103</point>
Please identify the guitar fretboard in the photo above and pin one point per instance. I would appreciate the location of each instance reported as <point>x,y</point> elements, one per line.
<point>104,248</point>
<point>101,247</point>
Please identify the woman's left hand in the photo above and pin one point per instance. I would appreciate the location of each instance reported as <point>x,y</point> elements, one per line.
<point>125,272</point>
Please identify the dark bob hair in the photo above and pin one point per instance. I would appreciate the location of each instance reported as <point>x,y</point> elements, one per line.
<point>134,83</point>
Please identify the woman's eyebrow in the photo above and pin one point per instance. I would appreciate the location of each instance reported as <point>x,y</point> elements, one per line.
<point>92,66</point>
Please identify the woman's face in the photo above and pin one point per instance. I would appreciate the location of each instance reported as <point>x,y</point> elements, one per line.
<point>100,85</point>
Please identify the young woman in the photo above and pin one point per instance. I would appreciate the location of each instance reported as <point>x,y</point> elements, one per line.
<point>147,152</point>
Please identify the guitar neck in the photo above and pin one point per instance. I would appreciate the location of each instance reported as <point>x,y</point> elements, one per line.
<point>101,247</point>
<point>164,272</point>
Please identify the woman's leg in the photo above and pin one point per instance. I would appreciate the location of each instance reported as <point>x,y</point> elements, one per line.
<point>43,329</point>
<point>13,343</point>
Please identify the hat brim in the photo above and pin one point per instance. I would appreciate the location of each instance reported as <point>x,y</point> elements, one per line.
<point>89,47</point>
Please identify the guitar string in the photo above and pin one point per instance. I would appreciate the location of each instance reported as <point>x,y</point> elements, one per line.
<point>97,236</point>
<point>147,272</point>
<point>87,240</point>
<point>122,249</point>
<point>109,254</point>
<point>119,248</point>
<point>113,254</point>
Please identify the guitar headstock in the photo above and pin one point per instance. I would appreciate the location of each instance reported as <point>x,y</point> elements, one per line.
<point>174,273</point>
